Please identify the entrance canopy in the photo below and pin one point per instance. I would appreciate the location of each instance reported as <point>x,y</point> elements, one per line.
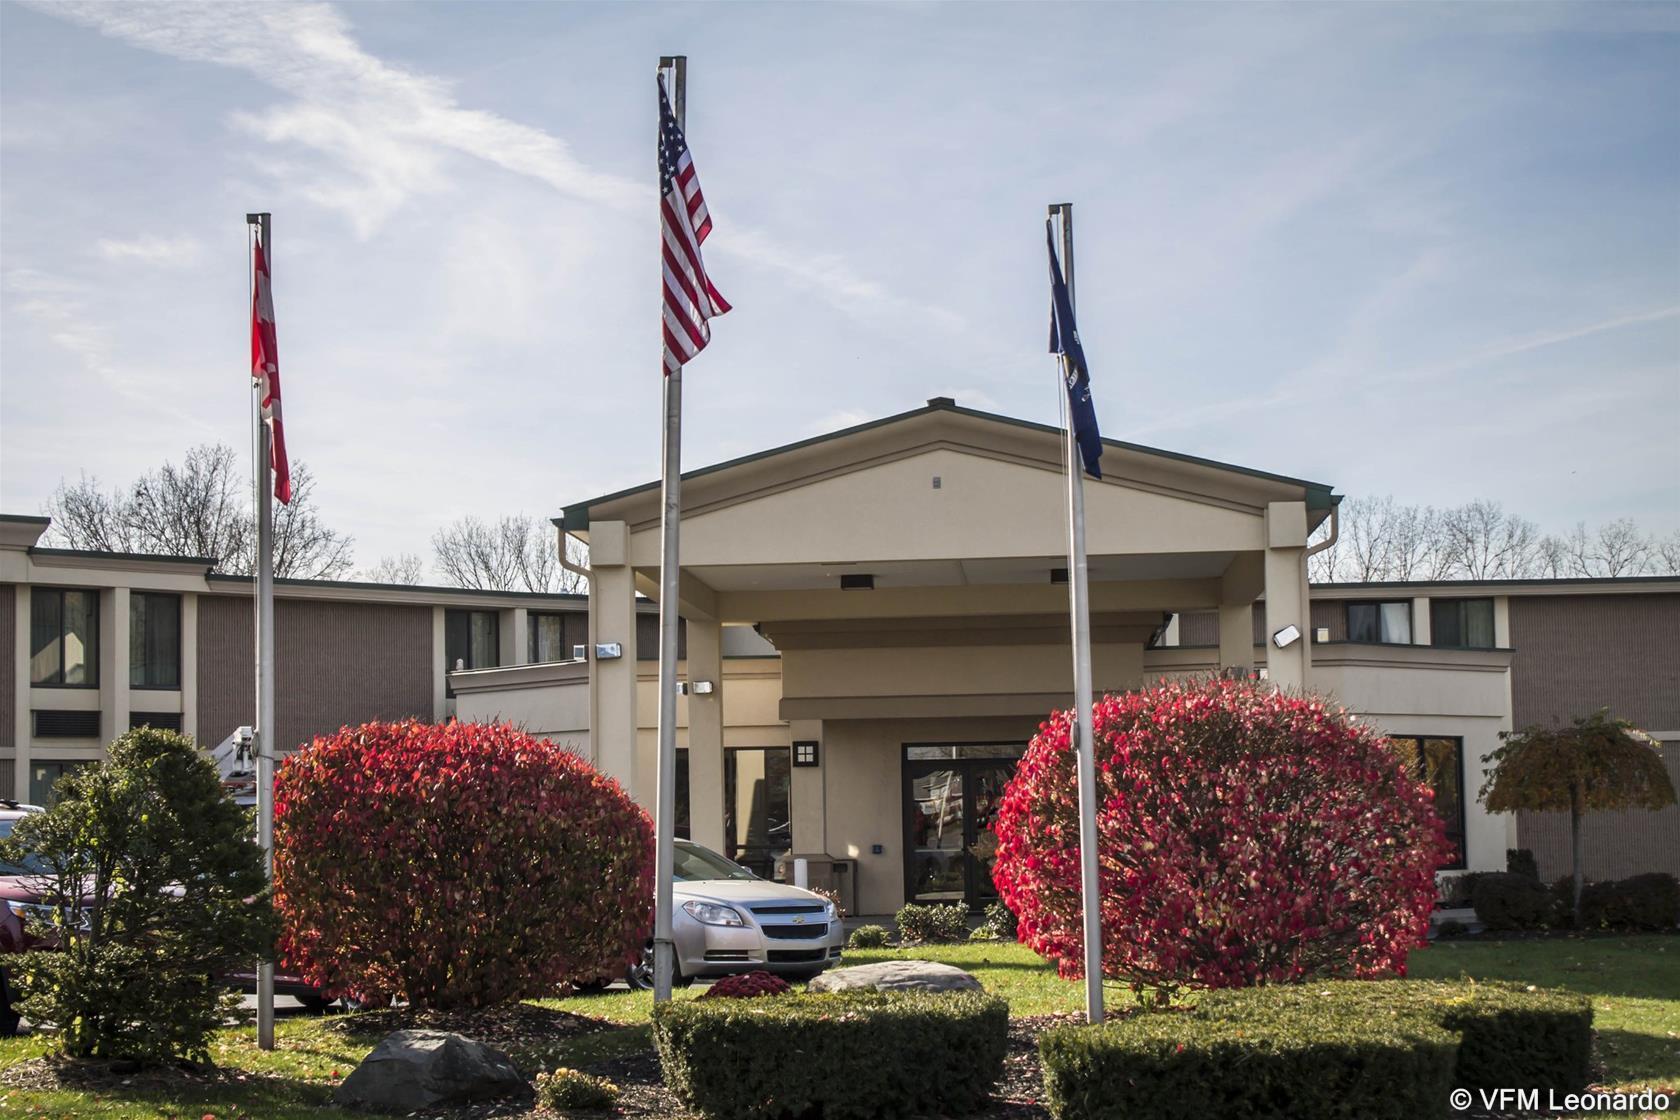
<point>950,513</point>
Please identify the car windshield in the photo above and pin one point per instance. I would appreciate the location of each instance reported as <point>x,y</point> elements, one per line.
<point>691,863</point>
<point>32,864</point>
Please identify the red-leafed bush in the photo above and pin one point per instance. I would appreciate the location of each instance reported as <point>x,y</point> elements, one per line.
<point>1247,836</point>
<point>459,865</point>
<point>747,985</point>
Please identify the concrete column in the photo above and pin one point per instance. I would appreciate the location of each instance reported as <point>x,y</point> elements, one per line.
<point>514,647</point>
<point>22,728</point>
<point>705,733</point>
<point>1236,636</point>
<point>189,666</point>
<point>1286,594</point>
<point>1241,584</point>
<point>612,682</point>
<point>113,661</point>
<point>808,793</point>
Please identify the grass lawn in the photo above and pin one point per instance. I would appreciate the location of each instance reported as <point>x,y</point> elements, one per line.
<point>1634,983</point>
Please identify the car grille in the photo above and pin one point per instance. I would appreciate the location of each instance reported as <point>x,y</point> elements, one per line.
<point>795,956</point>
<point>811,932</point>
<point>789,908</point>
<point>726,955</point>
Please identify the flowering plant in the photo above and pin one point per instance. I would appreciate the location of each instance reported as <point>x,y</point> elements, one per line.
<point>747,985</point>
<point>1246,836</point>
<point>456,864</point>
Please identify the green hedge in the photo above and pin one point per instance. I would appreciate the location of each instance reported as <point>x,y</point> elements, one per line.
<point>842,1055</point>
<point>1505,901</point>
<point>1342,1049</point>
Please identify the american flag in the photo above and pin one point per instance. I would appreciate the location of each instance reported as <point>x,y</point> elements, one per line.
<point>690,298</point>
<point>265,372</point>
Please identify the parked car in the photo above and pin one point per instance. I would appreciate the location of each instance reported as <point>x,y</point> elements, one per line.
<point>725,919</point>
<point>22,891</point>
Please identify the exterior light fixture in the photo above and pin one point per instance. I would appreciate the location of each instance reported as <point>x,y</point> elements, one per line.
<point>608,651</point>
<point>1286,637</point>
<point>701,688</point>
<point>804,752</point>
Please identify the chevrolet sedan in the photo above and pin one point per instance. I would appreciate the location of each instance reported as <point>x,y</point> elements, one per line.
<point>725,919</point>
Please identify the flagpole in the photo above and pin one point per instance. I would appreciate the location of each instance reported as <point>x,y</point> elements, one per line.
<point>670,473</point>
<point>264,626</point>
<point>1079,606</point>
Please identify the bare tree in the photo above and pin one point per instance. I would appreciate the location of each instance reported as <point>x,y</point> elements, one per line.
<point>513,553</point>
<point>1665,555</point>
<point>405,568</point>
<point>1620,549</point>
<point>203,507</point>
<point>1484,542</point>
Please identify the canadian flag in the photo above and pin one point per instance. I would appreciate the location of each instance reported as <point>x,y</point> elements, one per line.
<point>265,373</point>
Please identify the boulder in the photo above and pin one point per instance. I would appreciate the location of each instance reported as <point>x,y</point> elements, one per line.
<point>896,976</point>
<point>418,1069</point>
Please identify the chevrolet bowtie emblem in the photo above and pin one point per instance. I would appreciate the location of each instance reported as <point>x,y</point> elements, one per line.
<point>798,921</point>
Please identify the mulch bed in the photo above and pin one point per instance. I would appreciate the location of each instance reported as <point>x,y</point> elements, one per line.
<point>510,1027</point>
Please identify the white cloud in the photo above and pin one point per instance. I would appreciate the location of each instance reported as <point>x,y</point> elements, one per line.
<point>165,252</point>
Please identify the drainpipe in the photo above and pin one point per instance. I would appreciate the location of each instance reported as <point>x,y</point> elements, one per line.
<point>1335,531</point>
<point>565,563</point>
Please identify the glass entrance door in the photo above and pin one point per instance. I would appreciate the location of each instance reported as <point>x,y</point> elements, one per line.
<point>951,796</point>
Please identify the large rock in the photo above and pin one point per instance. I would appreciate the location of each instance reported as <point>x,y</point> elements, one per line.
<point>896,976</point>
<point>412,1070</point>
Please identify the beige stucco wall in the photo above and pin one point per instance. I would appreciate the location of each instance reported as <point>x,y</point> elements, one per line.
<point>860,791</point>
<point>1462,693</point>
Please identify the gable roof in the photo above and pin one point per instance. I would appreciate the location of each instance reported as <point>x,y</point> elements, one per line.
<point>575,517</point>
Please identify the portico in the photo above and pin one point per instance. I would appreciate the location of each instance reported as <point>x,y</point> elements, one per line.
<point>909,572</point>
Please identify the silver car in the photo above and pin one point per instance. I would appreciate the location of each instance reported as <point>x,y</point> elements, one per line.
<point>725,920</point>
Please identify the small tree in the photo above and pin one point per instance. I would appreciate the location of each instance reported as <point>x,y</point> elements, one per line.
<point>1596,764</point>
<point>157,888</point>
<point>1246,836</point>
<point>457,864</point>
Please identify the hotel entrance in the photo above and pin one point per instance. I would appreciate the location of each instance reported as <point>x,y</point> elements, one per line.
<point>951,796</point>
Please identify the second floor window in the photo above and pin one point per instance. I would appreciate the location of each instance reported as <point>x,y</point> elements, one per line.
<point>154,640</point>
<point>1389,622</point>
<point>1461,623</point>
<point>471,639</point>
<point>64,638</point>
<point>547,638</point>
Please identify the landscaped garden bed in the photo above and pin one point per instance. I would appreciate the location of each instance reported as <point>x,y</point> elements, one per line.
<point>1633,982</point>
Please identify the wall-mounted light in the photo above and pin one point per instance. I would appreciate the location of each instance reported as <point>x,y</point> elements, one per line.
<point>701,688</point>
<point>804,752</point>
<point>608,651</point>
<point>1321,635</point>
<point>1286,637</point>
<point>580,653</point>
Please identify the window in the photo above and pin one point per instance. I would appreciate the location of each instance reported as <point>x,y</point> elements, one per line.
<point>757,808</point>
<point>1438,761</point>
<point>1461,623</point>
<point>64,638</point>
<point>546,634</point>
<point>43,776</point>
<point>154,640</point>
<point>1389,622</point>
<point>472,640</point>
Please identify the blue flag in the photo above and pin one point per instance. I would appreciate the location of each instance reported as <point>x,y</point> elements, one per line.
<point>1064,340</point>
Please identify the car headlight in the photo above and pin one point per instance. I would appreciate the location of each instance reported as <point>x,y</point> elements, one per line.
<point>830,912</point>
<point>711,914</point>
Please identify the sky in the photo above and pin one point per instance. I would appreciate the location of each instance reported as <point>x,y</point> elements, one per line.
<point>1427,250</point>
